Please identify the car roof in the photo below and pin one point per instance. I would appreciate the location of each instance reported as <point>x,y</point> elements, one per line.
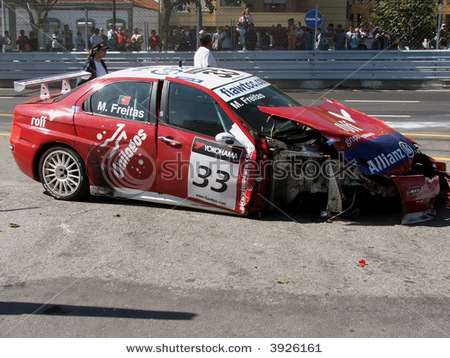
<point>208,77</point>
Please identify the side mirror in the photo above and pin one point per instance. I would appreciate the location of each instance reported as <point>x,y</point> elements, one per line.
<point>228,139</point>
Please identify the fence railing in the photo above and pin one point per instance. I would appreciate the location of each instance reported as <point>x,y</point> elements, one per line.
<point>319,67</point>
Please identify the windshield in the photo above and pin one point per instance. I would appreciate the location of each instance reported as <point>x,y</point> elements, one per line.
<point>246,107</point>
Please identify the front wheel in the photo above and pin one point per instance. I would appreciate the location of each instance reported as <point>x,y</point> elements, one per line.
<point>63,174</point>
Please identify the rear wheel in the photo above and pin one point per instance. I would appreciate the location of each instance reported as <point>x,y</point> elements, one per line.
<point>63,174</point>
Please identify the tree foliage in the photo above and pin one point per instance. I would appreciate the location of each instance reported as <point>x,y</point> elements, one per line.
<point>37,11</point>
<point>170,5</point>
<point>408,22</point>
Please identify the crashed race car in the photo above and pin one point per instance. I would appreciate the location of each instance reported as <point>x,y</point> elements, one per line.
<point>215,139</point>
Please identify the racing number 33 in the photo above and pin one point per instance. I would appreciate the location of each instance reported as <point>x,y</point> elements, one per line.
<point>206,175</point>
<point>214,173</point>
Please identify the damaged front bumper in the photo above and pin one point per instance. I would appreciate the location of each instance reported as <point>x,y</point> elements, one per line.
<point>417,194</point>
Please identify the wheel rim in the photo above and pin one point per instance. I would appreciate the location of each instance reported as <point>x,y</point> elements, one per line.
<point>61,173</point>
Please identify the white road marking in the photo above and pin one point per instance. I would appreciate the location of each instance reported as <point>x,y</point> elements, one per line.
<point>390,115</point>
<point>416,125</point>
<point>377,101</point>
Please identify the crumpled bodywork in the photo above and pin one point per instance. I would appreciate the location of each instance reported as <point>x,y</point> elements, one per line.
<point>352,150</point>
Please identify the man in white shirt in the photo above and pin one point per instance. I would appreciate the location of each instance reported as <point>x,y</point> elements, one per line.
<point>96,38</point>
<point>7,42</point>
<point>240,31</point>
<point>203,57</point>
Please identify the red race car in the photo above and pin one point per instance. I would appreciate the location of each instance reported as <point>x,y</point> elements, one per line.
<point>215,139</point>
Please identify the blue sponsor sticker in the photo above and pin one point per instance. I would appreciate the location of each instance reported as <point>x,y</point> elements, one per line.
<point>166,71</point>
<point>75,108</point>
<point>190,79</point>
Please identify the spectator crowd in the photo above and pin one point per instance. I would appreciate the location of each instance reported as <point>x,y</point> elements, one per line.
<point>116,39</point>
<point>245,36</point>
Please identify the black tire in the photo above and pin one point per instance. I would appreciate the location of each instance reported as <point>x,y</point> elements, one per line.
<point>63,174</point>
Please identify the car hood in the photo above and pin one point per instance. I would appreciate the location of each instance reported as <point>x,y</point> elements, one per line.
<point>367,142</point>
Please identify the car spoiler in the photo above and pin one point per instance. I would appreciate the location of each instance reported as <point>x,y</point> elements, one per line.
<point>19,86</point>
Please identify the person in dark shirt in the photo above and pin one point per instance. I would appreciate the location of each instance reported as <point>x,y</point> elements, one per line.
<point>33,41</point>
<point>251,38</point>
<point>22,42</point>
<point>264,39</point>
<point>154,42</point>
<point>95,64</point>
<point>279,37</point>
<point>68,38</point>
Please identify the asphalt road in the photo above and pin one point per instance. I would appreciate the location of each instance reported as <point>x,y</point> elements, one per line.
<point>110,268</point>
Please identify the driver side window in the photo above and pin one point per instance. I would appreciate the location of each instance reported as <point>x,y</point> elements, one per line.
<point>195,110</point>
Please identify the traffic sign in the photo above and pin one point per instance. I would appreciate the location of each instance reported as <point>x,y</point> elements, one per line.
<point>311,17</point>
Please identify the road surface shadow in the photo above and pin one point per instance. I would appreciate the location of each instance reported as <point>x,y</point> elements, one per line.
<point>28,308</point>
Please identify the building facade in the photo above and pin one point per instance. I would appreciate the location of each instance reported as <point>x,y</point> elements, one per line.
<point>266,13</point>
<point>83,16</point>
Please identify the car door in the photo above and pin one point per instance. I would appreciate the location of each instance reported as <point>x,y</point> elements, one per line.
<point>115,125</point>
<point>192,165</point>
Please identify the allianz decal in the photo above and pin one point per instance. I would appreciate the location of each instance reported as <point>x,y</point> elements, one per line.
<point>381,155</point>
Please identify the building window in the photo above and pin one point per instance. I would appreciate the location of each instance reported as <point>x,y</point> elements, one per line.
<point>51,24</point>
<point>275,5</point>
<point>224,3</point>
<point>81,26</point>
<point>187,8</point>
<point>119,23</point>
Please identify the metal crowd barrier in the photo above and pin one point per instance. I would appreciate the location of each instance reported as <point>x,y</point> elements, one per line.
<point>301,69</point>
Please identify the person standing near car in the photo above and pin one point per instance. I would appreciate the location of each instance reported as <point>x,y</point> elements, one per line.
<point>95,64</point>
<point>203,57</point>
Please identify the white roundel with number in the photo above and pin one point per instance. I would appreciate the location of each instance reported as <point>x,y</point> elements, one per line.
<point>214,173</point>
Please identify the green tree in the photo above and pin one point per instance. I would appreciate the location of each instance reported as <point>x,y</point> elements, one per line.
<point>37,11</point>
<point>170,5</point>
<point>408,22</point>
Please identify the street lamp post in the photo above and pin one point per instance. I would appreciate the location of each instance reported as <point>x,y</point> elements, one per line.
<point>3,19</point>
<point>114,14</point>
<point>438,37</point>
